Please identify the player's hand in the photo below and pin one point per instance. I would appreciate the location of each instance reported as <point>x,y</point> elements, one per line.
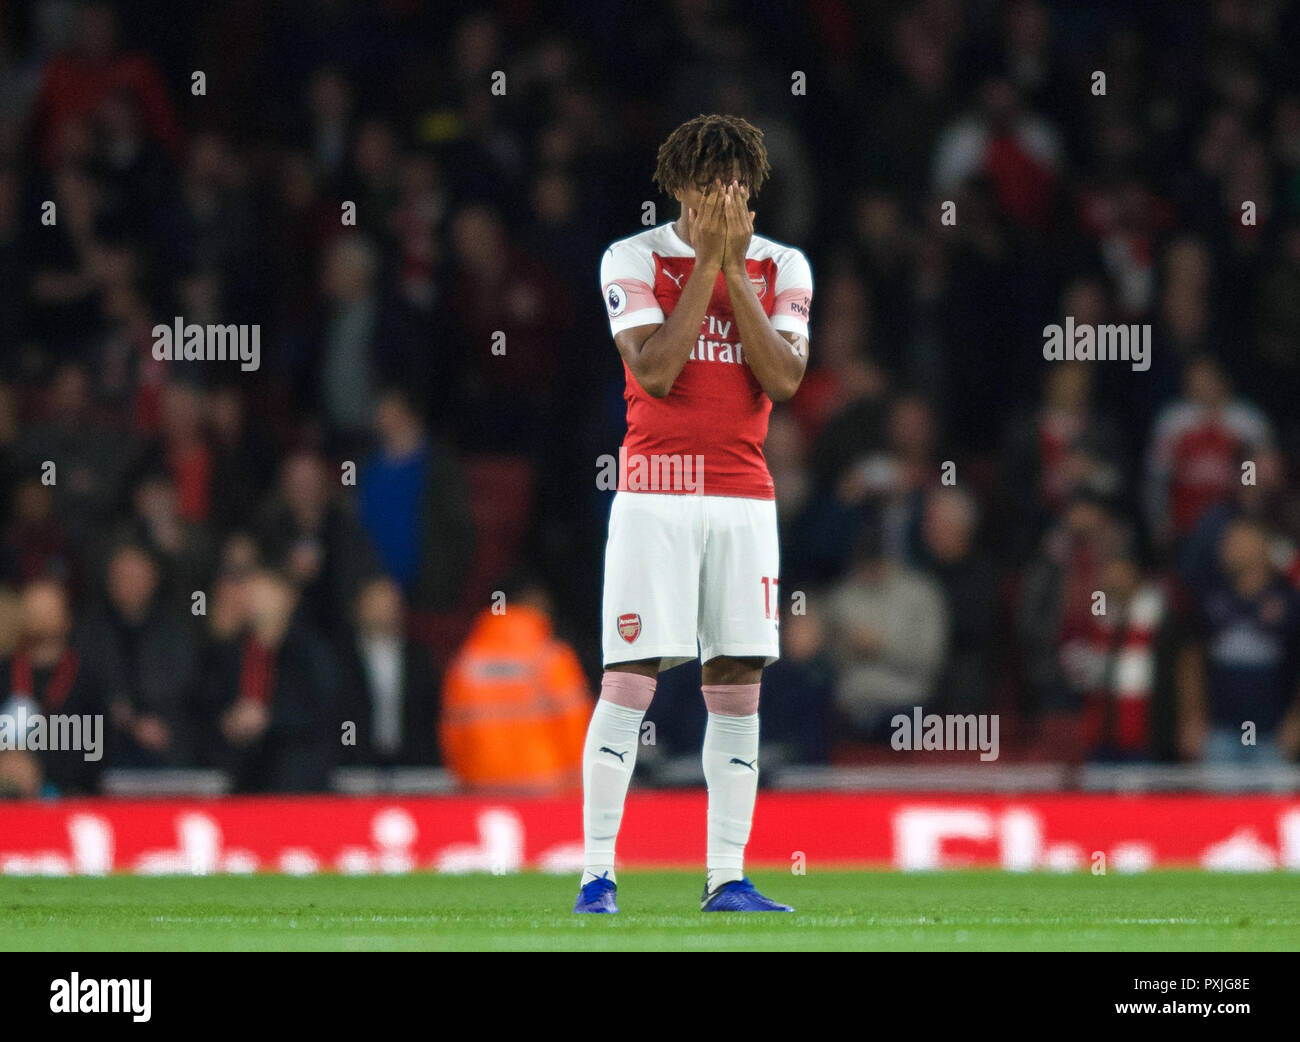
<point>740,226</point>
<point>709,228</point>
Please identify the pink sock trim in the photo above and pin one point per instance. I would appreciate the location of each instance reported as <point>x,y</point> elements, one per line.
<point>630,690</point>
<point>731,699</point>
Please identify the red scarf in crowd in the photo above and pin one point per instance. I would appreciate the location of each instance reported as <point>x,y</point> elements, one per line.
<point>1117,711</point>
<point>22,679</point>
<point>256,671</point>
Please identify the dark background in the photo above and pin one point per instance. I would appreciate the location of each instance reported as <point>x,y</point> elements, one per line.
<point>478,213</point>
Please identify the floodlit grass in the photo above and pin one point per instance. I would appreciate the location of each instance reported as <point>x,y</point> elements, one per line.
<point>964,911</point>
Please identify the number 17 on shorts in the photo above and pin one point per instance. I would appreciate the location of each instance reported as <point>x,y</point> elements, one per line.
<point>691,575</point>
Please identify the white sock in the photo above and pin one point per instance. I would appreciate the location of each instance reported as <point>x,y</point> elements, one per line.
<point>731,772</point>
<point>605,777</point>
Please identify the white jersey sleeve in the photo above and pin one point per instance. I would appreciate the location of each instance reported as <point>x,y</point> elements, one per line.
<point>627,278</point>
<point>794,290</point>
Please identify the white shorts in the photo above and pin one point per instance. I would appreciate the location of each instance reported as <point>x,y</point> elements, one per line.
<point>690,575</point>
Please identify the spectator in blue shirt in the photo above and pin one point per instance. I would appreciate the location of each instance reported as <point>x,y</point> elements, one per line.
<point>414,505</point>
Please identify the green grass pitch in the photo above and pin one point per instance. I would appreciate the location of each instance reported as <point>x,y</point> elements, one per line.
<point>970,911</point>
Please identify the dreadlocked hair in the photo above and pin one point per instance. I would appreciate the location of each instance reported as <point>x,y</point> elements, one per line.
<point>708,147</point>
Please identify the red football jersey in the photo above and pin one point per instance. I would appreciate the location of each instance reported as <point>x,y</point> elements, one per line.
<point>1194,458</point>
<point>713,422</point>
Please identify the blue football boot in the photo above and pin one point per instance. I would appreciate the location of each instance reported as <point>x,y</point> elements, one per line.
<point>597,897</point>
<point>739,896</point>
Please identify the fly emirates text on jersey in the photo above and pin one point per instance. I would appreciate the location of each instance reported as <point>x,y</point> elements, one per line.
<point>720,350</point>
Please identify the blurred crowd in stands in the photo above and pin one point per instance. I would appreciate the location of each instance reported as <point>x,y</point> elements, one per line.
<point>236,567</point>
